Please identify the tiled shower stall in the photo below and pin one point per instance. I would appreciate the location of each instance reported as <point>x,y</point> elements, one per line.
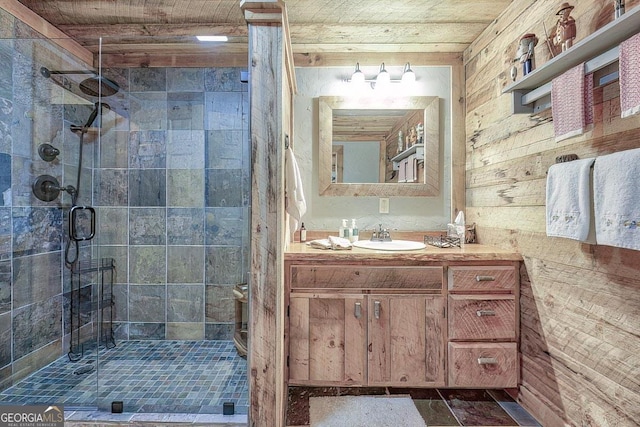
<point>168,175</point>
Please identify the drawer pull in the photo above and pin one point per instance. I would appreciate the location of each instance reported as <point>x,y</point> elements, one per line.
<point>376,309</point>
<point>487,361</point>
<point>358,310</point>
<point>482,313</point>
<point>485,278</point>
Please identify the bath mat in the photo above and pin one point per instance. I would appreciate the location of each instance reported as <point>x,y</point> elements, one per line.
<point>364,411</point>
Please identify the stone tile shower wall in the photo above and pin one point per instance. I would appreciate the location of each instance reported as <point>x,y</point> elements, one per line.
<point>173,199</point>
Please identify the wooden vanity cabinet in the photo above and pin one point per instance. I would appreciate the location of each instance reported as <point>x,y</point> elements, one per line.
<point>437,324</point>
<point>366,325</point>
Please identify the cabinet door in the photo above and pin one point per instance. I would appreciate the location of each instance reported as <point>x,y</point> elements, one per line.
<point>327,339</point>
<point>406,341</point>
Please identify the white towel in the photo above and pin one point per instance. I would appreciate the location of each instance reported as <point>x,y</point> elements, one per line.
<point>295,204</point>
<point>411,168</point>
<point>616,188</point>
<point>332,242</point>
<point>569,199</point>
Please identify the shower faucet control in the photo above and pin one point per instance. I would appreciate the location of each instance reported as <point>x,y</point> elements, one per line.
<point>47,188</point>
<point>48,152</point>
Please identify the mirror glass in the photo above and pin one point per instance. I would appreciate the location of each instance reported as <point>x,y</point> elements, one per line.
<point>378,147</point>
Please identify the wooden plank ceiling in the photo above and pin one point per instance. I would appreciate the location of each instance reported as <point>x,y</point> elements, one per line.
<point>161,32</point>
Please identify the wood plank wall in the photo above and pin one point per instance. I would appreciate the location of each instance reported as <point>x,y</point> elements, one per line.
<point>580,303</point>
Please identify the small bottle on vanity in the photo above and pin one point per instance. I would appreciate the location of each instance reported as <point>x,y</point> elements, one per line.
<point>303,233</point>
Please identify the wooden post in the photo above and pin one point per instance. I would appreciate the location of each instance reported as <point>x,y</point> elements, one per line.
<point>270,83</point>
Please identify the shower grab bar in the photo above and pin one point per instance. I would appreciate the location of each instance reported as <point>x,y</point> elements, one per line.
<point>73,218</point>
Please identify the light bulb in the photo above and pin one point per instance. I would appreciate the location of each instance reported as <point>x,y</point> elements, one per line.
<point>383,78</point>
<point>357,77</point>
<point>408,76</point>
<point>212,38</point>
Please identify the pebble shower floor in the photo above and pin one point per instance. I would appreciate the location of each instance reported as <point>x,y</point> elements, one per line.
<point>194,377</point>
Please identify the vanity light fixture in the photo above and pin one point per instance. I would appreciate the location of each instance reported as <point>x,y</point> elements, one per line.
<point>383,79</point>
<point>212,38</point>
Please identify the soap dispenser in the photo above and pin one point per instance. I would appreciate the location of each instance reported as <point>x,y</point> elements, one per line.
<point>353,237</point>
<point>343,231</point>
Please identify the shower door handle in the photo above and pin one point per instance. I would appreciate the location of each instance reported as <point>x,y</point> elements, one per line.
<point>73,219</point>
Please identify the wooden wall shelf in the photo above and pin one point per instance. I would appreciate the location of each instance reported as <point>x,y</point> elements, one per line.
<point>598,50</point>
<point>417,149</point>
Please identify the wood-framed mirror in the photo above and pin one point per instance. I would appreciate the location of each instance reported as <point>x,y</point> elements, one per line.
<point>406,129</point>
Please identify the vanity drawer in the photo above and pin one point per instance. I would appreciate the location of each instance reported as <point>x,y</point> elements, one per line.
<point>480,278</point>
<point>473,317</point>
<point>491,365</point>
<point>366,277</point>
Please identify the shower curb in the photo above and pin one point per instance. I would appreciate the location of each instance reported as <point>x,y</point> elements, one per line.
<point>97,418</point>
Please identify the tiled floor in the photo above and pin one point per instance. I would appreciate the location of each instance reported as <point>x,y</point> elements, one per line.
<point>441,407</point>
<point>194,377</point>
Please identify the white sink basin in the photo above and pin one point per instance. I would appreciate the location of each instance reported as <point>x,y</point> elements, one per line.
<point>394,245</point>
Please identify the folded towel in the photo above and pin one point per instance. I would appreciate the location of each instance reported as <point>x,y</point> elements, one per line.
<point>629,67</point>
<point>569,199</point>
<point>320,243</point>
<point>572,103</point>
<point>616,188</point>
<point>339,243</point>
<point>295,204</point>
<point>333,242</point>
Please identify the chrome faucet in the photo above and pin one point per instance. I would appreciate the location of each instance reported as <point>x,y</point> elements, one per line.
<point>382,235</point>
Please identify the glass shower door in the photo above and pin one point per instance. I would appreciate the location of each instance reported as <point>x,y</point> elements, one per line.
<point>47,355</point>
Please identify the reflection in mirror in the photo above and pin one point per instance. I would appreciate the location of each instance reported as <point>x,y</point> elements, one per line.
<point>378,147</point>
<point>358,161</point>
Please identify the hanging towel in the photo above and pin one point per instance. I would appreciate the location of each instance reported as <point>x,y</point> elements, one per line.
<point>616,188</point>
<point>572,103</point>
<point>295,204</point>
<point>630,76</point>
<point>412,173</point>
<point>569,199</point>
<point>402,170</point>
